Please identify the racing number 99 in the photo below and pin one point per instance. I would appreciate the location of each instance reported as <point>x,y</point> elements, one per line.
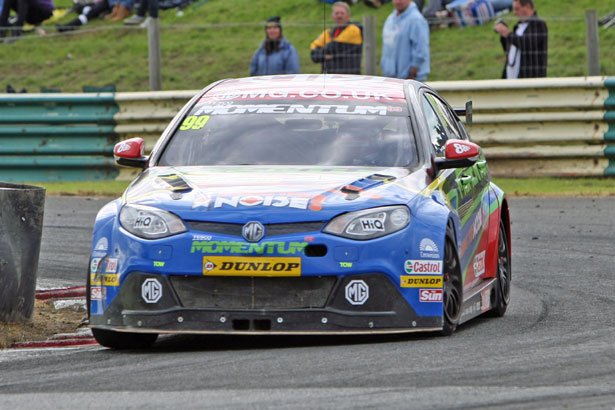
<point>194,122</point>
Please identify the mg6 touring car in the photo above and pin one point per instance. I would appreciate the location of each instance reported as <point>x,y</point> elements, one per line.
<point>302,204</point>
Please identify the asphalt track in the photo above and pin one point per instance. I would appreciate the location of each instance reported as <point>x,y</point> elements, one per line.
<point>554,349</point>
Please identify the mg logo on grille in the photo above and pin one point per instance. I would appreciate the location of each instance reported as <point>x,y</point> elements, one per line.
<point>151,290</point>
<point>253,231</point>
<point>357,292</point>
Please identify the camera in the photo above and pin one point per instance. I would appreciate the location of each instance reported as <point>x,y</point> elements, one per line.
<point>499,21</point>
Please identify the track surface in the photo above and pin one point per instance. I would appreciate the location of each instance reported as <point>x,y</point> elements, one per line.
<point>555,348</point>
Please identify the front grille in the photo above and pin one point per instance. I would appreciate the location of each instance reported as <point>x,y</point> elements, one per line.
<point>222,292</point>
<point>270,229</point>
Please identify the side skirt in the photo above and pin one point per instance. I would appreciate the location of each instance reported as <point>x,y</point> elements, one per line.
<point>478,300</point>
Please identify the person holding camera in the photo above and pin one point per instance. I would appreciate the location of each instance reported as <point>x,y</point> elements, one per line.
<point>526,44</point>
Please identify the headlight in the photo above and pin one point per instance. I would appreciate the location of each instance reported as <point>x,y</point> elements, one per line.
<point>369,223</point>
<point>149,222</point>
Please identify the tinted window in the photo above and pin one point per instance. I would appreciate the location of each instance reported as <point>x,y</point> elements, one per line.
<point>437,132</point>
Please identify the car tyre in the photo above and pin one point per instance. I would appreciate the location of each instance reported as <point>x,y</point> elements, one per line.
<point>124,340</point>
<point>503,276</point>
<point>452,287</point>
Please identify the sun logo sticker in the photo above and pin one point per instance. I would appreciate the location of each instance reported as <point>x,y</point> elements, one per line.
<point>429,249</point>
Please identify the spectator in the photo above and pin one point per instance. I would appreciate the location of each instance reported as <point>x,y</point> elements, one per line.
<point>405,43</point>
<point>275,55</point>
<point>139,16</point>
<point>526,45</point>
<point>86,13</point>
<point>120,9</point>
<point>28,11</point>
<point>339,49</point>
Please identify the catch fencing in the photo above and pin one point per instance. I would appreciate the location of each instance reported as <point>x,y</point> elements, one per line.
<point>532,127</point>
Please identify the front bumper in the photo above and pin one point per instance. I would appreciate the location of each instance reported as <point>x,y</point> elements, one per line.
<point>256,305</point>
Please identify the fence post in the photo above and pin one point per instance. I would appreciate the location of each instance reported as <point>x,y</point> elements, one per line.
<point>593,43</point>
<point>369,44</point>
<point>153,43</point>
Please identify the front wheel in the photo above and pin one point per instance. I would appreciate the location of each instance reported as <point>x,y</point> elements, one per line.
<point>124,340</point>
<point>452,287</point>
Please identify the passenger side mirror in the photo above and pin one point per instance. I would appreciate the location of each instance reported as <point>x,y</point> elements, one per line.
<point>458,154</point>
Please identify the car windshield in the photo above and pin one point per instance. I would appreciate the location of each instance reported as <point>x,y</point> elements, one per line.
<point>324,133</point>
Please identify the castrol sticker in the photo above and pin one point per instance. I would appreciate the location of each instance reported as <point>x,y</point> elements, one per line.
<point>423,267</point>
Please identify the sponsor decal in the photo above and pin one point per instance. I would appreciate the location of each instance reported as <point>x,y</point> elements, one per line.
<point>111,266</point>
<point>479,264</point>
<point>471,310</point>
<point>244,248</point>
<point>429,249</point>
<point>357,292</point>
<point>262,200</point>
<point>95,293</point>
<point>151,290</point>
<point>251,266</point>
<point>303,94</point>
<point>105,279</point>
<point>102,244</point>
<point>372,224</point>
<point>291,109</point>
<point>198,237</point>
<point>423,267</point>
<point>485,300</point>
<point>94,264</point>
<point>421,281</point>
<point>253,231</point>
<point>430,295</point>
<point>345,264</point>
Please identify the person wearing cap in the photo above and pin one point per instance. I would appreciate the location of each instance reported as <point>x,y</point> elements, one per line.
<point>275,55</point>
<point>339,49</point>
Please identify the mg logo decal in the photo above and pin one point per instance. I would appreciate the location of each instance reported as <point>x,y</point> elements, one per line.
<point>357,292</point>
<point>253,231</point>
<point>151,290</point>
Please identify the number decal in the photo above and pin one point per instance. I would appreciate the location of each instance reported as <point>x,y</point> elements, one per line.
<point>194,122</point>
<point>460,148</point>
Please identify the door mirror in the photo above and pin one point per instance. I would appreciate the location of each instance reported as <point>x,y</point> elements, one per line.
<point>458,154</point>
<point>130,153</point>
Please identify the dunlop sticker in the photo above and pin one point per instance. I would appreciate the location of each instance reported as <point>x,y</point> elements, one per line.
<point>421,281</point>
<point>250,266</point>
<point>106,279</point>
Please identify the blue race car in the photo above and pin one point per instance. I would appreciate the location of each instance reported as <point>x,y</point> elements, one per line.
<point>302,204</point>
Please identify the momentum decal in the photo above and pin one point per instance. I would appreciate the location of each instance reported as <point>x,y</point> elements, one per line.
<point>421,281</point>
<point>245,248</point>
<point>251,266</point>
<point>292,109</point>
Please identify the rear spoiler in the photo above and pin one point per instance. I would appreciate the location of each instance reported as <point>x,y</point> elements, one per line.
<point>465,112</point>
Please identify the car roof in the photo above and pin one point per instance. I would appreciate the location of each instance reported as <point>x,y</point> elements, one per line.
<point>324,85</point>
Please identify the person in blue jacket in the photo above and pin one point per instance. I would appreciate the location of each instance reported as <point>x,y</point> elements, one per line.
<point>275,55</point>
<point>405,43</point>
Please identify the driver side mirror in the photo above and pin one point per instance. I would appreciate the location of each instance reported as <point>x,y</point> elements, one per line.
<point>458,154</point>
<point>130,153</point>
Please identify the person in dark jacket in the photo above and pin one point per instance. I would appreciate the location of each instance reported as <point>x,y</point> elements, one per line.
<point>526,45</point>
<point>28,11</point>
<point>275,55</point>
<point>339,49</point>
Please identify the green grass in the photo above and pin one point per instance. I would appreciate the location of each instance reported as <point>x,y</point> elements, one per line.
<point>216,39</point>
<point>512,187</point>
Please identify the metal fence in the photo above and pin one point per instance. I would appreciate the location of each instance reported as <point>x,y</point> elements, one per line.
<point>477,55</point>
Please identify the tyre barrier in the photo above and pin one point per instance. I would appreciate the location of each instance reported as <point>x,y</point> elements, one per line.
<point>21,227</point>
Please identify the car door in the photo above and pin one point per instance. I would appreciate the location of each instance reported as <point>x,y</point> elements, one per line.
<point>466,189</point>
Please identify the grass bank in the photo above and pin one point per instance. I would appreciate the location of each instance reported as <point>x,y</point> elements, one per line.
<point>214,39</point>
